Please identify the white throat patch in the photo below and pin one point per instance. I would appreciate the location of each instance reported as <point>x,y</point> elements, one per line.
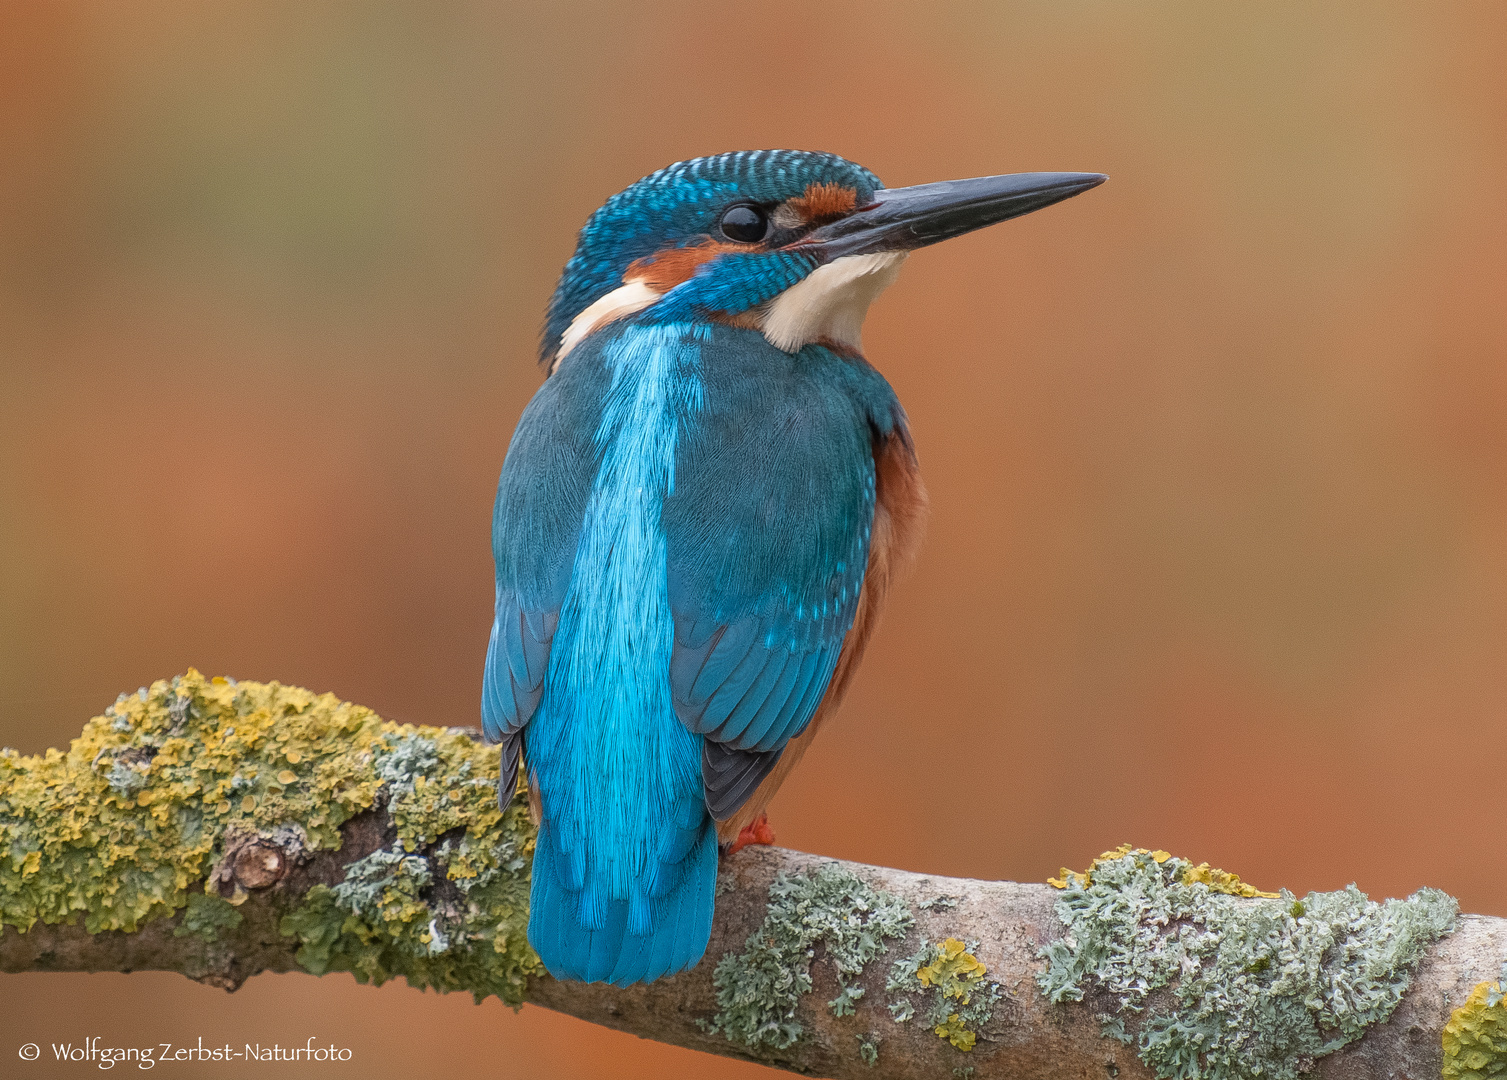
<point>831,301</point>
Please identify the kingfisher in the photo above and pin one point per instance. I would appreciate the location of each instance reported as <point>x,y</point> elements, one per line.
<point>698,518</point>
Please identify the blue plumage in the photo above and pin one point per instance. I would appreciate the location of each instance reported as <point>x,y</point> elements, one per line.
<point>625,848</point>
<point>683,527</point>
<point>697,604</point>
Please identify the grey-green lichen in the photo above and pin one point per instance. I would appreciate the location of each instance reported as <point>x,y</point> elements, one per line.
<point>125,826</point>
<point>1254,987</point>
<point>941,902</point>
<point>759,989</point>
<point>948,981</point>
<point>207,916</point>
<point>1475,1039</point>
<point>868,1049</point>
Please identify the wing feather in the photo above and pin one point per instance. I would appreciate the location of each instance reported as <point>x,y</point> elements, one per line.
<point>731,776</point>
<point>516,663</point>
<point>766,557</point>
<point>541,499</point>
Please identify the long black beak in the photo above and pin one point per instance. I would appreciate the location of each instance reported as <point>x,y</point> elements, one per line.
<point>902,219</point>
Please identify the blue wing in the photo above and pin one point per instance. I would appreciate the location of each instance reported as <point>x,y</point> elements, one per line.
<point>767,534</point>
<point>541,499</point>
<point>748,691</point>
<point>513,682</point>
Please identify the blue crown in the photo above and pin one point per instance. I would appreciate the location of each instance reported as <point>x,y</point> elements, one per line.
<point>678,204</point>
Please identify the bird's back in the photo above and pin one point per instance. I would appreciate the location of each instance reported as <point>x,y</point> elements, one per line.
<point>670,487</point>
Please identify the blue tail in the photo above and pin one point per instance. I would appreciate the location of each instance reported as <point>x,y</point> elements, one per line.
<point>679,926</point>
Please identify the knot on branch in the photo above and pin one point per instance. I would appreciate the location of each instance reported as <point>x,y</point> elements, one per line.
<point>255,860</point>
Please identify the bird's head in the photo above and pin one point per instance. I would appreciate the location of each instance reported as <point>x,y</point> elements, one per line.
<point>793,243</point>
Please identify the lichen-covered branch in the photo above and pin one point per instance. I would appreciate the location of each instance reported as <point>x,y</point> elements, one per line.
<point>221,829</point>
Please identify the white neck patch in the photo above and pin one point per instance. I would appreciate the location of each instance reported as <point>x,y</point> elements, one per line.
<point>623,300</point>
<point>831,301</point>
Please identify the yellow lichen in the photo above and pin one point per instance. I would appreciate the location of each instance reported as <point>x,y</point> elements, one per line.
<point>1203,874</point>
<point>1475,1039</point>
<point>952,970</point>
<point>1223,881</point>
<point>126,824</point>
<point>950,981</point>
<point>127,818</point>
<point>953,1031</point>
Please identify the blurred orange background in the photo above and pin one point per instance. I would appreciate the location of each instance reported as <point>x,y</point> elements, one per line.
<point>1217,452</point>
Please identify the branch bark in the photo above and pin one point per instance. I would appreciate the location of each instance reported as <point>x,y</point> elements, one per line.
<point>269,876</point>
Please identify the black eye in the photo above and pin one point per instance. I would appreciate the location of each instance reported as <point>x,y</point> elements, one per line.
<point>745,224</point>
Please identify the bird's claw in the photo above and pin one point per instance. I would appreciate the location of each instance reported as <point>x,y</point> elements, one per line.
<point>757,831</point>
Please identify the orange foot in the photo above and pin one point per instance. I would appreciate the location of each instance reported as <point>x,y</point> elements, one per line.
<point>755,832</point>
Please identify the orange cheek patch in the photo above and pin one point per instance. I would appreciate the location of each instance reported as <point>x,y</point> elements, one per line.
<point>666,269</point>
<point>824,202</point>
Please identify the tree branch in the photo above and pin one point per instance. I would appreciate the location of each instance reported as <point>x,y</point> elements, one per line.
<point>220,830</point>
